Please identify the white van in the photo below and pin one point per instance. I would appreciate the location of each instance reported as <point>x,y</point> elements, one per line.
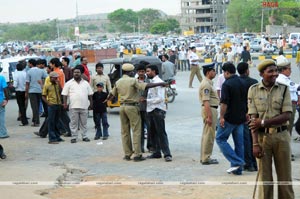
<point>8,67</point>
<point>291,37</point>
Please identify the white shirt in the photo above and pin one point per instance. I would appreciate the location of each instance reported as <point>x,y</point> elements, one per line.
<point>221,80</point>
<point>19,80</point>
<point>193,56</point>
<point>182,55</point>
<point>292,86</point>
<point>156,96</point>
<point>230,56</point>
<point>219,57</point>
<point>78,93</point>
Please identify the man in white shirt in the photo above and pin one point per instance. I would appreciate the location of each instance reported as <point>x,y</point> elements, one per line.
<point>230,55</point>
<point>194,63</point>
<point>80,95</point>
<point>284,68</point>
<point>19,84</point>
<point>156,109</point>
<point>219,60</point>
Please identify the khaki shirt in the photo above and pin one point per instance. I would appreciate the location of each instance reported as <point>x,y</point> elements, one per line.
<point>52,93</point>
<point>128,89</point>
<point>208,93</point>
<point>101,78</point>
<point>268,104</point>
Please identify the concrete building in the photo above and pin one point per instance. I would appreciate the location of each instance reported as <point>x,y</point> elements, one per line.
<point>202,16</point>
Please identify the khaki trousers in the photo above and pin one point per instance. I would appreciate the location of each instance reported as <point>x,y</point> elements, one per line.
<point>131,119</point>
<point>276,147</point>
<point>195,70</point>
<point>208,135</point>
<point>78,119</point>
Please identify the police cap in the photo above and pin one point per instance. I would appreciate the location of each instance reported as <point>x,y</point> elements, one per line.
<point>209,66</point>
<point>127,67</point>
<point>265,63</point>
<point>281,61</point>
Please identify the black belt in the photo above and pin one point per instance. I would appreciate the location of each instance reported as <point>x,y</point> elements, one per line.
<point>216,107</point>
<point>278,129</point>
<point>130,104</point>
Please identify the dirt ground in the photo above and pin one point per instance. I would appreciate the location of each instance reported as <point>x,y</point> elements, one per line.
<point>148,192</point>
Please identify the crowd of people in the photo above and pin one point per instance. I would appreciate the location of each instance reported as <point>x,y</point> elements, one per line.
<point>259,115</point>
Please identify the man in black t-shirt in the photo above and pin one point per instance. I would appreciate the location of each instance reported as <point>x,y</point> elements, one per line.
<point>232,118</point>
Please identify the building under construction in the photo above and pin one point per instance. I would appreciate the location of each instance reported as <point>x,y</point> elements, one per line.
<point>202,16</point>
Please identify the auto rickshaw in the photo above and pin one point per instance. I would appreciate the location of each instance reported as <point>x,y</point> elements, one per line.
<point>115,71</point>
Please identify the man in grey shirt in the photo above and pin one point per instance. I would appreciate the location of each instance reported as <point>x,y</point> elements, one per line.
<point>168,69</point>
<point>34,85</point>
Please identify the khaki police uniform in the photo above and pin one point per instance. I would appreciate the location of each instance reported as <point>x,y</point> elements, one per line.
<point>128,90</point>
<point>208,93</point>
<point>275,141</point>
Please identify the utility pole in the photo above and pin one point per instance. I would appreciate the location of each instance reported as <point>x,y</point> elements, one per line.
<point>262,22</point>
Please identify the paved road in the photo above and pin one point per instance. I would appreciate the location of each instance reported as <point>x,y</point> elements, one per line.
<point>32,159</point>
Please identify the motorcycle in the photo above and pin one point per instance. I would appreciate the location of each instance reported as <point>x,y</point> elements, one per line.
<point>171,90</point>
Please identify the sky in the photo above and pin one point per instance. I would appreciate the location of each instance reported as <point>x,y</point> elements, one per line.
<point>13,11</point>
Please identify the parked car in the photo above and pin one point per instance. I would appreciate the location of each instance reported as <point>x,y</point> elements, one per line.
<point>255,46</point>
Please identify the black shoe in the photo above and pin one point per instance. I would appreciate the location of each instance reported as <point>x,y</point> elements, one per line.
<point>127,157</point>
<point>168,159</point>
<point>36,133</point>
<point>96,137</point>
<point>105,138</point>
<point>139,158</point>
<point>250,169</point>
<point>60,140</point>
<point>86,139</point>
<point>210,161</point>
<point>53,142</point>
<point>154,156</point>
<point>7,136</point>
<point>2,156</point>
<point>68,135</point>
<point>73,141</point>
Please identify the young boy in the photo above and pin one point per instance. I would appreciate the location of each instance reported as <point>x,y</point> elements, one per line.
<point>99,112</point>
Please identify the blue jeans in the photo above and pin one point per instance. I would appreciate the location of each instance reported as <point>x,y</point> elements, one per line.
<point>53,118</point>
<point>219,64</point>
<point>294,50</point>
<point>98,119</point>
<point>236,156</point>
<point>157,129</point>
<point>3,130</point>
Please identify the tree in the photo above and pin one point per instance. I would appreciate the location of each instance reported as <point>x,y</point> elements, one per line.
<point>164,26</point>
<point>147,17</point>
<point>246,15</point>
<point>124,20</point>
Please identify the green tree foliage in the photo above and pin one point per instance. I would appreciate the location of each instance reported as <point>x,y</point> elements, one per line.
<point>164,26</point>
<point>147,17</point>
<point>124,20</point>
<point>31,32</point>
<point>246,15</point>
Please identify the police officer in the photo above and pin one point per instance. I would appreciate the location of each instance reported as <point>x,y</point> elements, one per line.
<point>209,98</point>
<point>128,88</point>
<point>270,108</point>
<point>285,70</point>
<point>194,62</point>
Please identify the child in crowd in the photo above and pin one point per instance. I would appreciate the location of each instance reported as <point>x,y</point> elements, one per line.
<point>100,113</point>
